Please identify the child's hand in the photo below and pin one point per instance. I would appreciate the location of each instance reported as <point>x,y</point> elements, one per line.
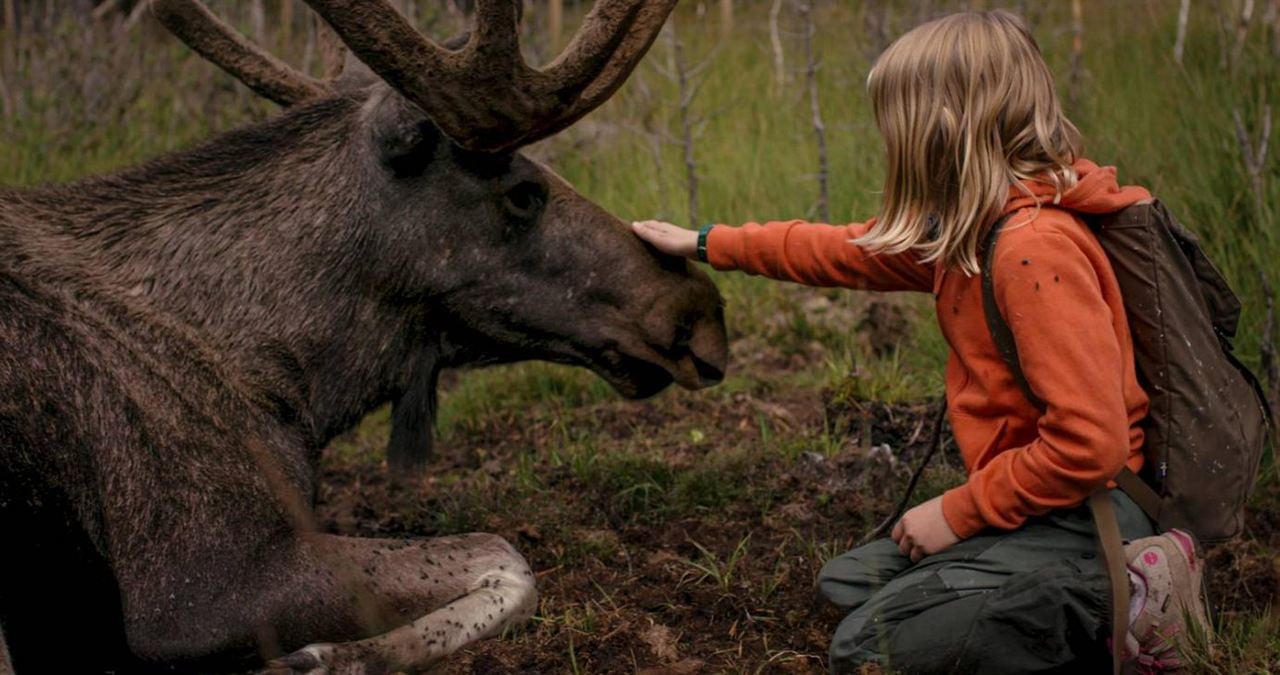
<point>923,531</point>
<point>668,238</point>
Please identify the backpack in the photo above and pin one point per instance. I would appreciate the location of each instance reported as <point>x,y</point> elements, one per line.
<point>1207,426</point>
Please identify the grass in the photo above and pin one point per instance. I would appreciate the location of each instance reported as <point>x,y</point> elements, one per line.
<point>716,568</point>
<point>573,460</point>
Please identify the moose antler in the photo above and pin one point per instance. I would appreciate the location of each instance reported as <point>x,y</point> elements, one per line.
<point>483,96</point>
<point>220,44</point>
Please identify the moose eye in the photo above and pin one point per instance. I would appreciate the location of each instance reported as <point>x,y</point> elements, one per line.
<point>525,200</point>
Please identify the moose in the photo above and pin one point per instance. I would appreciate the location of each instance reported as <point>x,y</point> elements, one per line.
<point>182,338</point>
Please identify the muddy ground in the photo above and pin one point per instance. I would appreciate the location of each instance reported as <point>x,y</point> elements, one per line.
<point>683,535</point>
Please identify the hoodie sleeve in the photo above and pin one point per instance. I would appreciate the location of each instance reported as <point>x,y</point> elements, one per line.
<point>816,255</point>
<point>1050,293</point>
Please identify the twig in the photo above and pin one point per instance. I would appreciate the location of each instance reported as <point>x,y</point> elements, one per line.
<point>1255,156</point>
<point>935,442</point>
<point>1180,42</point>
<point>819,128</point>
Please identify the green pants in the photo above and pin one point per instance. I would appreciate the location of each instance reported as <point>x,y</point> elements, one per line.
<point>1028,601</point>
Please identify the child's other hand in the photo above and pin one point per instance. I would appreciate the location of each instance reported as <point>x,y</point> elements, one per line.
<point>923,531</point>
<point>668,238</point>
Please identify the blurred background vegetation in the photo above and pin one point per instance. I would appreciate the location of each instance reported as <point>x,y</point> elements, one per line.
<point>744,110</point>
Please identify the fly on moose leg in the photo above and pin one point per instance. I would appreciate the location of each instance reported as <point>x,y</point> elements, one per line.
<point>490,582</point>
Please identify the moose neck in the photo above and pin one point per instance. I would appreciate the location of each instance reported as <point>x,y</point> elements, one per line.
<point>256,239</point>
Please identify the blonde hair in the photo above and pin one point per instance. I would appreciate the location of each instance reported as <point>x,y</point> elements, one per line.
<point>967,108</point>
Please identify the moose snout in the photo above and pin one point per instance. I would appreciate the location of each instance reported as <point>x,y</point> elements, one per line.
<point>702,356</point>
<point>687,327</point>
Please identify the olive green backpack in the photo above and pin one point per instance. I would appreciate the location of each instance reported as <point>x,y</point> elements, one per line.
<point>1208,422</point>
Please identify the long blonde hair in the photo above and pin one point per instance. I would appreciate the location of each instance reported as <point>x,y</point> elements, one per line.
<point>967,108</point>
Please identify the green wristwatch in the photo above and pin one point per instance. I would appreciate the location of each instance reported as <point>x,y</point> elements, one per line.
<point>702,241</point>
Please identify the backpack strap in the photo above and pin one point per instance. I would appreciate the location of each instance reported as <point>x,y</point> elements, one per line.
<point>1000,331</point>
<point>1141,493</point>
<point>1111,545</point>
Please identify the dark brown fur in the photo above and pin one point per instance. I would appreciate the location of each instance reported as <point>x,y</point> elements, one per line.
<point>181,339</point>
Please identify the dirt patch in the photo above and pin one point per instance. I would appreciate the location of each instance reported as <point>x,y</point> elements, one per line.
<point>684,536</point>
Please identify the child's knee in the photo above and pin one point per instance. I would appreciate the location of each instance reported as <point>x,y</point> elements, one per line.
<point>855,643</point>
<point>849,579</point>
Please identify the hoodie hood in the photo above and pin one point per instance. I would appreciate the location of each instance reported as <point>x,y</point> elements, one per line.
<point>1096,192</point>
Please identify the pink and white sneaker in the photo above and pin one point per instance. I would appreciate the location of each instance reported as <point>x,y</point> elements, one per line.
<point>1167,600</point>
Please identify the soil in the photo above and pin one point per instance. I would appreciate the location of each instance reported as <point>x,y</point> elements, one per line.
<point>621,588</point>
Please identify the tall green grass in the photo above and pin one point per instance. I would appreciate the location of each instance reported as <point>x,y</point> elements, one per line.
<point>93,100</point>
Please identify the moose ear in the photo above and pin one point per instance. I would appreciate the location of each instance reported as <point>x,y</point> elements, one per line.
<point>402,135</point>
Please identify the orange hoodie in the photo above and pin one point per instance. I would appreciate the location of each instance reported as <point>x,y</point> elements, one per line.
<point>1055,287</point>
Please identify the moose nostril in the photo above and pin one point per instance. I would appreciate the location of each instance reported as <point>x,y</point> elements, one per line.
<point>709,373</point>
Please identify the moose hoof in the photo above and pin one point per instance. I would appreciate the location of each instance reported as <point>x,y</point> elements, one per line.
<point>313,660</point>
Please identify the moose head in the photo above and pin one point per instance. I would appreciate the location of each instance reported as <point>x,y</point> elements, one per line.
<point>387,225</point>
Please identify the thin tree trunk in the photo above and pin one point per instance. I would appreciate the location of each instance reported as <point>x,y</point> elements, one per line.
<point>1269,357</point>
<point>286,22</point>
<point>775,40</point>
<point>1242,31</point>
<point>555,22</point>
<point>10,36</point>
<point>1180,42</point>
<point>686,91</point>
<point>819,128</point>
<point>309,45</point>
<point>1224,34</point>
<point>726,18</point>
<point>258,21</point>
<point>1077,55</point>
<point>1255,155</point>
<point>6,102</point>
<point>1274,14</point>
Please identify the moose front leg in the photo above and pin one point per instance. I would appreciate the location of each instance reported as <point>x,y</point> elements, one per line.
<point>471,587</point>
<point>346,605</point>
<point>493,590</point>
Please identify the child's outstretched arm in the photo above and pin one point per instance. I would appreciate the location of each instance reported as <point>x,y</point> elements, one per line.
<point>808,253</point>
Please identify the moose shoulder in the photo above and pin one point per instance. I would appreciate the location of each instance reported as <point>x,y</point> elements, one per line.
<point>181,338</point>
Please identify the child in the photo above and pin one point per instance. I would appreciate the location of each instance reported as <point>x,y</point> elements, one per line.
<point>999,574</point>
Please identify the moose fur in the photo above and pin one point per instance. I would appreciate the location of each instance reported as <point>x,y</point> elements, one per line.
<point>182,338</point>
